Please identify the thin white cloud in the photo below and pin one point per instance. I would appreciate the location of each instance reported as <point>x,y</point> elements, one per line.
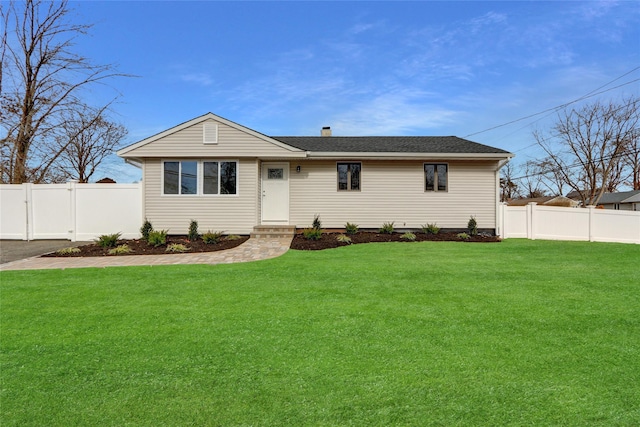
<point>596,9</point>
<point>201,79</point>
<point>360,28</point>
<point>401,112</point>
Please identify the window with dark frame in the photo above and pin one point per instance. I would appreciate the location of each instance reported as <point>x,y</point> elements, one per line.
<point>436,176</point>
<point>349,176</point>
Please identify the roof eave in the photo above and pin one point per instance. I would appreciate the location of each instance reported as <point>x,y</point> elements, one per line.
<point>209,116</point>
<point>407,156</point>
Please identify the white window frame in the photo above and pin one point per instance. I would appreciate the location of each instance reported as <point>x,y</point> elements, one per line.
<point>179,161</point>
<point>200,177</point>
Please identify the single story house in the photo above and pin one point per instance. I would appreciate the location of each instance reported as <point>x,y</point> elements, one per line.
<point>623,201</point>
<point>231,178</point>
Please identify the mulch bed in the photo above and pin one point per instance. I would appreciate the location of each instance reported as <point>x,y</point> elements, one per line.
<point>329,240</point>
<point>141,247</point>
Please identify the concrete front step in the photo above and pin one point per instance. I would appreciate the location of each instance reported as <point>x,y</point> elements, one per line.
<point>273,231</point>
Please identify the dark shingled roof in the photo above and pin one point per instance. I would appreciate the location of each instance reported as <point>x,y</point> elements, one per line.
<point>612,198</point>
<point>388,144</point>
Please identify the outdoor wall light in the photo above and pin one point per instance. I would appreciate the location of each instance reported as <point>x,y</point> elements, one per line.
<point>298,169</point>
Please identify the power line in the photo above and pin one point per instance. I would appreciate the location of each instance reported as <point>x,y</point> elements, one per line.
<point>548,138</point>
<point>578,164</point>
<point>588,95</point>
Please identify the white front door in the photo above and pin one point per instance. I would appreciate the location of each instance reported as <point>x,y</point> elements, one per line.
<point>275,193</point>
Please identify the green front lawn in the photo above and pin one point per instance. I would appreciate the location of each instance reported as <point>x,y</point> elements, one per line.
<point>434,333</point>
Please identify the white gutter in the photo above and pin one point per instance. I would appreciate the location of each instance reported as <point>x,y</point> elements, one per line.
<point>408,156</point>
<point>133,162</point>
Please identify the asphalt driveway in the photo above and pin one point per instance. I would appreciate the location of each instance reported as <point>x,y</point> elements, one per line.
<point>13,250</point>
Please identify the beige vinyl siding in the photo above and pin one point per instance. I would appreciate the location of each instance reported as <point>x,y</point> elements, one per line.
<point>236,214</point>
<point>188,142</point>
<point>394,191</point>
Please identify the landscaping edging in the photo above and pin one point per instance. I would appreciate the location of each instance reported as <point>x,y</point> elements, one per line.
<point>329,240</point>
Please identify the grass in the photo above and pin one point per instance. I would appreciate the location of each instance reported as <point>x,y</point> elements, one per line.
<point>433,333</point>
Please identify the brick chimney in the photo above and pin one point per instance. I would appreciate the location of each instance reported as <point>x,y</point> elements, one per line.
<point>326,131</point>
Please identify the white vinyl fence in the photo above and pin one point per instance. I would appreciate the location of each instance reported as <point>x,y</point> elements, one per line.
<point>77,212</point>
<point>558,223</point>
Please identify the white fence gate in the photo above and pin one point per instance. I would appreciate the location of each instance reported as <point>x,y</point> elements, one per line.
<point>69,211</point>
<point>558,223</point>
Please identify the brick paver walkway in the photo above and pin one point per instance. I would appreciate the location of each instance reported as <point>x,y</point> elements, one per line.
<point>253,249</point>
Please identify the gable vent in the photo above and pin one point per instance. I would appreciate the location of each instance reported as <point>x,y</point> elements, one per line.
<point>210,133</point>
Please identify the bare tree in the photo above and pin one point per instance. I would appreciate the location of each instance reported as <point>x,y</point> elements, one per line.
<point>4,18</point>
<point>87,139</point>
<point>587,146</point>
<point>508,187</point>
<point>531,180</point>
<point>550,177</point>
<point>45,79</point>
<point>631,160</point>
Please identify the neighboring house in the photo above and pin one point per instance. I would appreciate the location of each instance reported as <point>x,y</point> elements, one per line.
<point>560,201</point>
<point>106,180</point>
<point>231,178</point>
<point>624,201</point>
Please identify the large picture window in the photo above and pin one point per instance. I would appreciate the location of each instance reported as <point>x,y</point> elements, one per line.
<point>200,177</point>
<point>435,176</point>
<point>349,176</point>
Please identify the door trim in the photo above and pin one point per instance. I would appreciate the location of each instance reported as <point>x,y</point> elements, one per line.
<point>263,168</point>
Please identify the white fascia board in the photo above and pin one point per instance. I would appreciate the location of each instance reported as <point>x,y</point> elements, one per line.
<point>134,162</point>
<point>408,156</point>
<point>209,116</point>
<point>296,155</point>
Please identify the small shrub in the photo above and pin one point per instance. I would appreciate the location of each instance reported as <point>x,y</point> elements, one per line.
<point>387,228</point>
<point>157,238</point>
<point>317,224</point>
<point>108,240</point>
<point>211,237</point>
<point>233,237</point>
<point>120,250</point>
<point>472,226</point>
<point>193,231</point>
<point>351,228</point>
<point>146,229</point>
<point>177,248</point>
<point>312,233</point>
<point>430,228</point>
<point>408,236</point>
<point>343,238</point>
<point>68,251</point>
<point>463,236</point>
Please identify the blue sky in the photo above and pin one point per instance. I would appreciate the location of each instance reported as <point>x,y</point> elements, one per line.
<point>363,68</point>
